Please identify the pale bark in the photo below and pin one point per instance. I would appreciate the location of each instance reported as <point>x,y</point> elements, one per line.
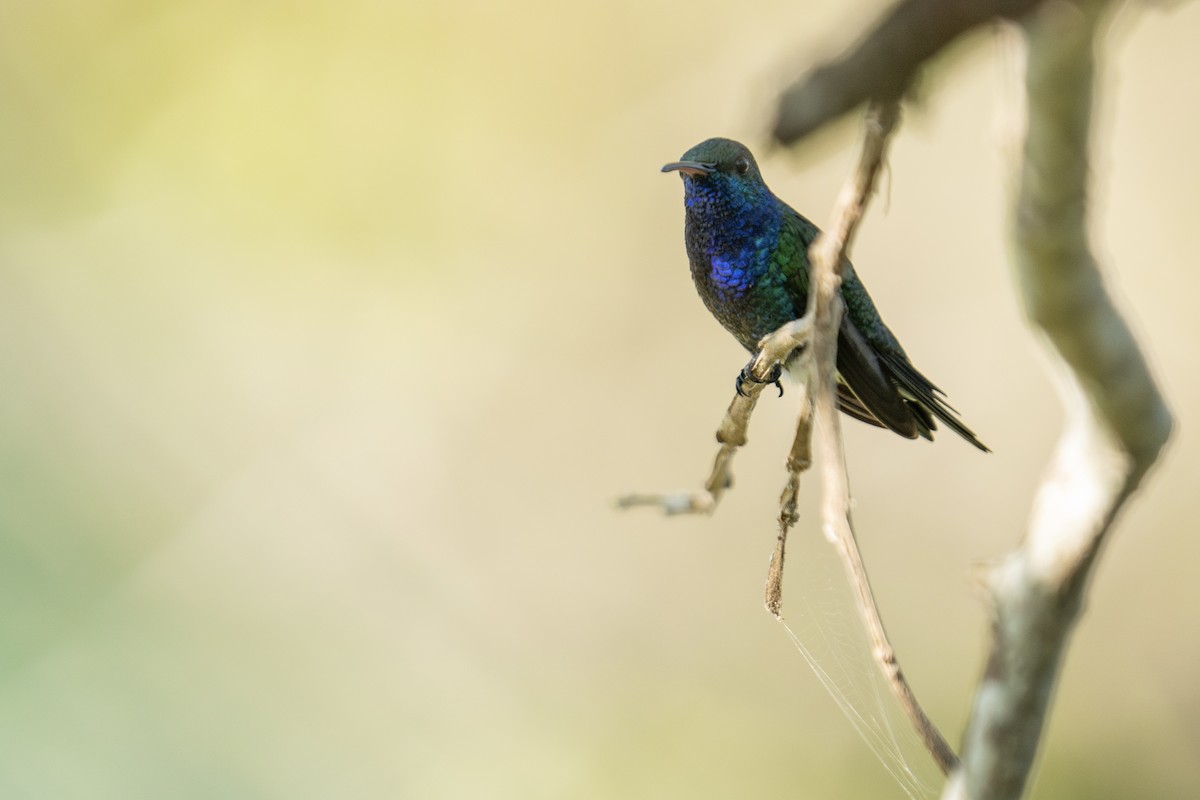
<point>1116,425</point>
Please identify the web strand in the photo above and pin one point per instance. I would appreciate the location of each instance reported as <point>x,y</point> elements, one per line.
<point>829,636</point>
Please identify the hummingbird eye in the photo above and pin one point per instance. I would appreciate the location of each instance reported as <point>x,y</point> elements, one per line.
<point>742,165</point>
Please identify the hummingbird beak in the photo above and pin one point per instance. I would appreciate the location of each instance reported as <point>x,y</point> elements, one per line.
<point>695,169</point>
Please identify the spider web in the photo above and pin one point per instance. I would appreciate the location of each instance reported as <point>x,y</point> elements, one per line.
<point>825,628</point>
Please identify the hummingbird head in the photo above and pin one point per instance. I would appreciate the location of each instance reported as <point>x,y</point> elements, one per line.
<point>720,169</point>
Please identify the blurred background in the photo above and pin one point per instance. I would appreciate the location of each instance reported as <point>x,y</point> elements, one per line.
<point>330,331</point>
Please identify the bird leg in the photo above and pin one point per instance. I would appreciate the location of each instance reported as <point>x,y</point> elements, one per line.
<point>765,368</point>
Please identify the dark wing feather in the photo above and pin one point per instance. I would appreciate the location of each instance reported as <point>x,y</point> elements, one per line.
<point>924,393</point>
<point>852,406</point>
<point>859,366</point>
<point>878,384</point>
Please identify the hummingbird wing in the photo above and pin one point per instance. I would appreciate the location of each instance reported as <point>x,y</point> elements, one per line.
<point>877,384</point>
<point>923,394</point>
<point>853,407</point>
<point>861,371</point>
<point>893,390</point>
<point>864,390</point>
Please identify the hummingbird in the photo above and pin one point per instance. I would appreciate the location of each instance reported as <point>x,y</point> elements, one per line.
<point>749,259</point>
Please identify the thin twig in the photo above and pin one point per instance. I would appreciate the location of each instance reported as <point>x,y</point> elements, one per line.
<point>773,350</point>
<point>731,436</point>
<point>799,460</point>
<point>827,256</point>
<point>1117,422</point>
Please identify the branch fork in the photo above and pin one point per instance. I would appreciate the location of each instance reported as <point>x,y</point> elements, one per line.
<point>1118,422</point>
<point>817,333</point>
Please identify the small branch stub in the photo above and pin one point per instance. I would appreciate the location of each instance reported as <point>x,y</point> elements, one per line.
<point>732,433</point>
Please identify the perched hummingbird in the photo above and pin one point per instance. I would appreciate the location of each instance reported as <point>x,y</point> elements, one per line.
<point>749,255</point>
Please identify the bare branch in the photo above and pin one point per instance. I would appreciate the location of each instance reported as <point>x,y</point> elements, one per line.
<point>828,259</point>
<point>1117,422</point>
<point>884,62</point>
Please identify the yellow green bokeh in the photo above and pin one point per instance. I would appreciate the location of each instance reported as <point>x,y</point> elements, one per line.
<point>330,330</point>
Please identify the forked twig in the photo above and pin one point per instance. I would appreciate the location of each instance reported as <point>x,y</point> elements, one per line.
<point>817,333</point>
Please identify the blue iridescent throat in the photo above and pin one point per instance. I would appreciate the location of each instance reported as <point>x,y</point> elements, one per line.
<point>735,227</point>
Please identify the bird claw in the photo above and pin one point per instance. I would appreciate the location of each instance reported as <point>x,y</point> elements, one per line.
<point>747,376</point>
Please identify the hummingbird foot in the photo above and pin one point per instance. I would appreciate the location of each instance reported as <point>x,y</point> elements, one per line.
<point>747,376</point>
<point>782,346</point>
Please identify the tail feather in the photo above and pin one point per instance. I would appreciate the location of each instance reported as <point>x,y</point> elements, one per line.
<point>928,397</point>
